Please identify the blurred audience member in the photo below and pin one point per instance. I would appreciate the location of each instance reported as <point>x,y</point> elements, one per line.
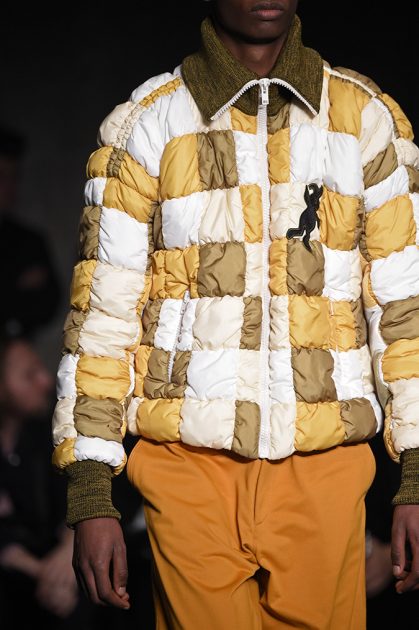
<point>37,580</point>
<point>27,275</point>
<point>385,608</point>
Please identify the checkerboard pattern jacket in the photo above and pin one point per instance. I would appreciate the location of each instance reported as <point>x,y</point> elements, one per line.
<point>249,275</point>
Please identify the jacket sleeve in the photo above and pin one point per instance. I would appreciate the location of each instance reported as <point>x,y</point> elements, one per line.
<point>389,247</point>
<point>110,286</point>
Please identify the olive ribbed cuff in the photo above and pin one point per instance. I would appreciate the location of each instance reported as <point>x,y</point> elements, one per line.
<point>409,487</point>
<point>89,492</point>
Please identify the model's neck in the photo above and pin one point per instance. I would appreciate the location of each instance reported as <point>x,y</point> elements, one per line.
<point>260,58</point>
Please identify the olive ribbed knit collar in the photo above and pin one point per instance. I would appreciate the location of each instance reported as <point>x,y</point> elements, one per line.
<point>214,76</point>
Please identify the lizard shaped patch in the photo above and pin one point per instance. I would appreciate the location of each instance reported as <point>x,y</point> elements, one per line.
<point>308,218</point>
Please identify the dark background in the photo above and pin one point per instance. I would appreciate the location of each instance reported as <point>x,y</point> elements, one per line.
<point>64,70</point>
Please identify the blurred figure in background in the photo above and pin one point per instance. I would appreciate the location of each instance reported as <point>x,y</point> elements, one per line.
<point>27,275</point>
<point>37,582</point>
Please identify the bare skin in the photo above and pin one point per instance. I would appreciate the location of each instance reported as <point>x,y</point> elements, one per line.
<point>254,31</point>
<point>405,541</point>
<point>100,561</point>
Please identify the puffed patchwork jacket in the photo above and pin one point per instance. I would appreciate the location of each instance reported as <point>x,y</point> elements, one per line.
<point>249,270</point>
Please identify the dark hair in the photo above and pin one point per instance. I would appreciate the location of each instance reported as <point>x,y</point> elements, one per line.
<point>12,143</point>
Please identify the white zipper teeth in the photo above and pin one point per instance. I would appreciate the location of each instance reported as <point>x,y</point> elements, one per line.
<point>264,436</point>
<point>250,84</point>
<point>178,331</point>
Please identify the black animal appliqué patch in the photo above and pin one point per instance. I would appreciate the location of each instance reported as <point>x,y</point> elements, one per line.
<point>308,218</point>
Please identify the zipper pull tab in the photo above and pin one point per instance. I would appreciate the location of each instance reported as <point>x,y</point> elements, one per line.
<point>264,91</point>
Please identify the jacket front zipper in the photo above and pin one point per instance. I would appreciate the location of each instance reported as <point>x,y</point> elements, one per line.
<point>265,398</point>
<point>185,300</point>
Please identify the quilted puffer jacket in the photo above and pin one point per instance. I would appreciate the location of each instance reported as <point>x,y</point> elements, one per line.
<point>249,267</point>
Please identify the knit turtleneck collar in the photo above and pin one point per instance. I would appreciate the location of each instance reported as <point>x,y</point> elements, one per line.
<point>214,76</point>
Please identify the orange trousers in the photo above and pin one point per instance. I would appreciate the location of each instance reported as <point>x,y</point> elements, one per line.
<point>251,544</point>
